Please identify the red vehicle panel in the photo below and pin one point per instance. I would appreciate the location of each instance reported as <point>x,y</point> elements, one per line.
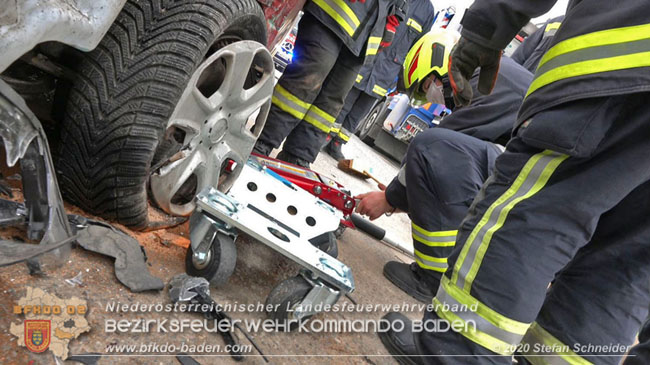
<point>280,15</point>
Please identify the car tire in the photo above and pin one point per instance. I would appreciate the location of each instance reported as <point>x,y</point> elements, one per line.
<point>126,90</point>
<point>371,125</point>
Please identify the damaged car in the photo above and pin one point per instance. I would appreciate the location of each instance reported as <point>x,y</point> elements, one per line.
<point>144,100</point>
<point>111,103</point>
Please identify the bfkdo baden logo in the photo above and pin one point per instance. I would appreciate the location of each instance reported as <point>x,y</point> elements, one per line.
<point>38,334</point>
<point>49,322</point>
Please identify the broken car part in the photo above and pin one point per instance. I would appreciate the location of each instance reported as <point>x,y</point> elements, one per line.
<point>27,23</point>
<point>196,290</point>
<point>88,359</point>
<point>186,359</point>
<point>130,260</point>
<point>211,125</point>
<point>23,139</point>
<point>16,252</point>
<point>282,216</point>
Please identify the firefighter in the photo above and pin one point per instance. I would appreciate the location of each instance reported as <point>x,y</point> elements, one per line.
<point>374,80</point>
<point>535,45</point>
<point>569,201</point>
<point>444,168</point>
<point>335,38</point>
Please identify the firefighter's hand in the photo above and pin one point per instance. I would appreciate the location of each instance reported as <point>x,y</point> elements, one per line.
<point>373,204</point>
<point>465,57</point>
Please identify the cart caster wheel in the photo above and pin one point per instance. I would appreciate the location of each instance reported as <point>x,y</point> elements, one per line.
<point>285,297</point>
<point>339,231</point>
<point>219,263</point>
<point>326,242</point>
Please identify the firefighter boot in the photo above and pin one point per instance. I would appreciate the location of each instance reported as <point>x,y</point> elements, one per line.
<point>291,158</point>
<point>399,344</point>
<point>328,139</point>
<point>334,149</point>
<point>413,280</point>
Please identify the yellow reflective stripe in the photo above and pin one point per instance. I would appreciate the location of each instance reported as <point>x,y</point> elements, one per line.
<point>379,90</point>
<point>491,329</point>
<point>429,262</point>
<point>343,5</point>
<point>434,233</point>
<point>433,239</point>
<point>425,266</point>
<point>319,119</point>
<point>590,67</point>
<point>373,45</point>
<point>349,24</point>
<point>317,124</point>
<point>483,310</point>
<point>481,338</point>
<point>539,184</point>
<point>532,178</point>
<point>414,24</point>
<point>374,41</point>
<point>552,26</point>
<point>335,130</point>
<point>433,244</point>
<point>343,136</point>
<point>359,78</point>
<point>602,51</point>
<point>595,39</point>
<point>537,335</point>
<point>322,114</point>
<point>285,107</point>
<point>430,258</point>
<point>283,92</point>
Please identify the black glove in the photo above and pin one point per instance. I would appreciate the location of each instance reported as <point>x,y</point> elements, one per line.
<point>465,57</point>
<point>399,9</point>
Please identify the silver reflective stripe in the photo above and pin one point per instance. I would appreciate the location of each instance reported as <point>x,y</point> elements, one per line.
<point>440,265</point>
<point>549,33</point>
<point>554,351</point>
<point>297,109</point>
<point>526,186</point>
<point>342,14</point>
<point>592,53</point>
<point>311,113</point>
<point>482,324</point>
<point>434,239</point>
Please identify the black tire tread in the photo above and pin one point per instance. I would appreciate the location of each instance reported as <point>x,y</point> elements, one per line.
<point>286,294</point>
<point>125,91</point>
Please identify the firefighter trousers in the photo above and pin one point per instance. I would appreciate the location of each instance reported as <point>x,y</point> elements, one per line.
<point>569,202</point>
<point>445,169</point>
<point>357,105</point>
<point>311,91</point>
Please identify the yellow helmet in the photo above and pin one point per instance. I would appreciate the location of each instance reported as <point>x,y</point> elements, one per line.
<point>430,54</point>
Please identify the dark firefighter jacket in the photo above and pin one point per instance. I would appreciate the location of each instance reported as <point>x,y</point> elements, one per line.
<point>492,117</point>
<point>359,24</point>
<point>601,49</point>
<point>531,51</point>
<point>377,78</point>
